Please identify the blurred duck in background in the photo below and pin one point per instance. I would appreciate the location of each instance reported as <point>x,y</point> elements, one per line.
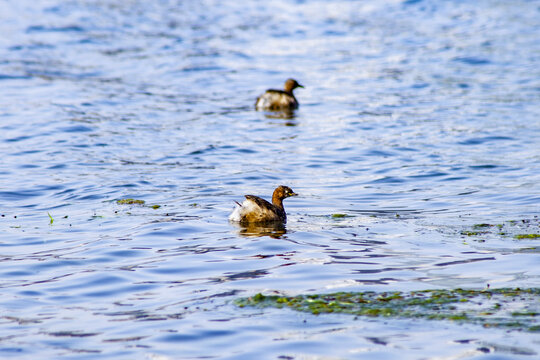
<point>279,100</point>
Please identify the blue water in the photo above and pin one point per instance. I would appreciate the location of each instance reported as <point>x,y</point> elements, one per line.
<point>418,120</point>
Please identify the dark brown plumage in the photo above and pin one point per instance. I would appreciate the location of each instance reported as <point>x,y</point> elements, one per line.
<point>257,210</point>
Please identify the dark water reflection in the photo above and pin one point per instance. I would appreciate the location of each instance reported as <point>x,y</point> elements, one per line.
<point>283,114</point>
<point>418,120</point>
<point>273,230</point>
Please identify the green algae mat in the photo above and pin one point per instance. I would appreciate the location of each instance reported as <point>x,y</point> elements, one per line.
<point>516,309</point>
<point>516,229</point>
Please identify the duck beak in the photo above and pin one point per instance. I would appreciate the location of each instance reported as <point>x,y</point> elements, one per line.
<point>293,194</point>
<point>298,85</point>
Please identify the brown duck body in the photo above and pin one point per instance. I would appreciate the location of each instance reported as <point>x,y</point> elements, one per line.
<point>275,100</point>
<point>257,210</point>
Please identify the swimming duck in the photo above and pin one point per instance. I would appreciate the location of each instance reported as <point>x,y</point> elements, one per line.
<point>279,99</point>
<point>257,210</point>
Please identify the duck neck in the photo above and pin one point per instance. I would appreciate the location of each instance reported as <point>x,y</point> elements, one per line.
<point>288,89</point>
<point>277,201</point>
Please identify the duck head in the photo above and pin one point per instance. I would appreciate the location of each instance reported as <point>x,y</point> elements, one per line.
<point>291,84</point>
<point>283,192</point>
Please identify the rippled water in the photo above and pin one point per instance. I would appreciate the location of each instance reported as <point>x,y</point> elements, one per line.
<point>418,119</point>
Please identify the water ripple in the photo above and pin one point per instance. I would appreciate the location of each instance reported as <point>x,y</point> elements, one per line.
<point>417,122</point>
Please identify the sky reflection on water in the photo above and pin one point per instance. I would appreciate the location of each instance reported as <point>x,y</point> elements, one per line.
<point>418,120</point>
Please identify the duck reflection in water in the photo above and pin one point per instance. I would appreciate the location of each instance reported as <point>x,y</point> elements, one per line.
<point>274,230</point>
<point>282,115</point>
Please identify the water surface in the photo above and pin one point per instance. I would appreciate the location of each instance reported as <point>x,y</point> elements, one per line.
<point>418,120</point>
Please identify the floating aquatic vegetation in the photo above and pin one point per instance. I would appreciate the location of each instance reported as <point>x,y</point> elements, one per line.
<point>517,309</point>
<point>136,202</point>
<point>517,229</point>
<point>474,233</point>
<point>340,216</point>
<point>130,202</point>
<point>481,226</point>
<point>527,236</point>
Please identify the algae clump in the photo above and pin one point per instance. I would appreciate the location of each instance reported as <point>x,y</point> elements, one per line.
<point>130,202</point>
<point>527,236</point>
<point>340,216</point>
<point>488,307</point>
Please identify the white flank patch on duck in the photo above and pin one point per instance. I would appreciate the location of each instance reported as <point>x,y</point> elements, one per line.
<point>264,102</point>
<point>241,210</point>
